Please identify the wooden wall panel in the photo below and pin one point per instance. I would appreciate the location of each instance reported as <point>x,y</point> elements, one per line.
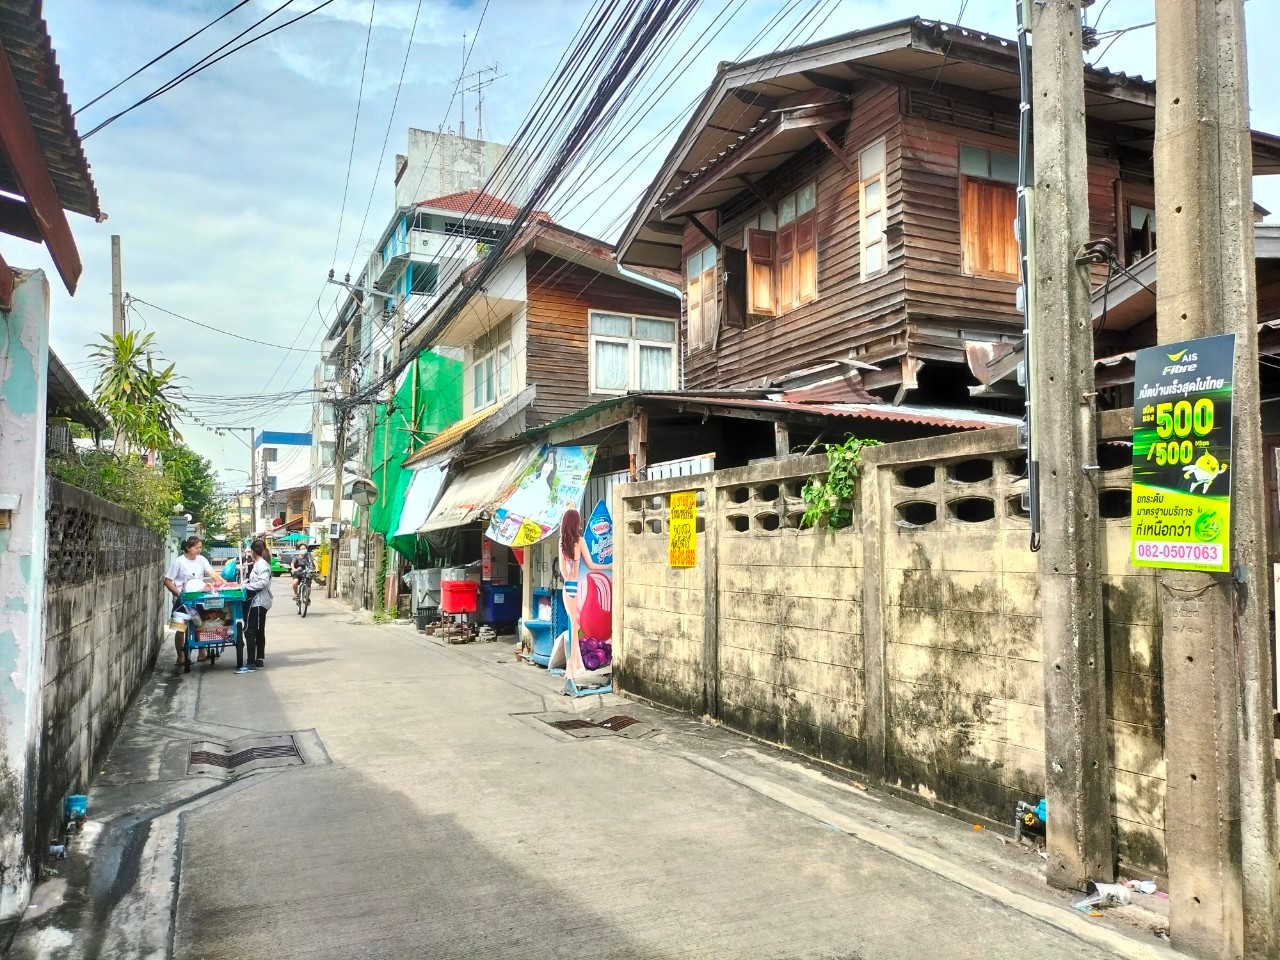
<point>848,316</point>
<point>560,295</point>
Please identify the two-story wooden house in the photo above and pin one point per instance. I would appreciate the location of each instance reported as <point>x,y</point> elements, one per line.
<point>557,326</point>
<point>853,201</point>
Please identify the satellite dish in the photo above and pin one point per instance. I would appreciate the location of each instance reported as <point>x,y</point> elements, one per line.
<point>364,492</point>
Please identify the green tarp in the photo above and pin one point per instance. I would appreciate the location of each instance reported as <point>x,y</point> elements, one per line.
<point>428,401</point>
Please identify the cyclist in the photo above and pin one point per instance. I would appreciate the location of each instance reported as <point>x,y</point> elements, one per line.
<point>302,565</point>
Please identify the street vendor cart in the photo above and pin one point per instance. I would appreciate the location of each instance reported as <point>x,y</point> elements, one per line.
<point>215,620</point>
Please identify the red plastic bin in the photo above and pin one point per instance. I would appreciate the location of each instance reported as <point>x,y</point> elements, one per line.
<point>459,596</point>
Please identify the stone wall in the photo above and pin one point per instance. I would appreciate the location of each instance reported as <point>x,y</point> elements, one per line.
<point>105,614</point>
<point>906,647</point>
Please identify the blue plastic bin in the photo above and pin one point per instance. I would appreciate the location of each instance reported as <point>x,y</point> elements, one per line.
<point>501,604</point>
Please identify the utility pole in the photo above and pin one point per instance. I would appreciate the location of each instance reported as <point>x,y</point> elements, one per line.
<point>119,323</point>
<point>253,439</point>
<point>1220,804</point>
<point>1077,767</point>
<point>340,458</point>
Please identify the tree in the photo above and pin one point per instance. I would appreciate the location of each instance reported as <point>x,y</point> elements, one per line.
<point>194,477</point>
<point>142,398</point>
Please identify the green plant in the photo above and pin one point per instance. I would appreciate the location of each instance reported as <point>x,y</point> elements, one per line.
<point>383,616</point>
<point>125,481</point>
<point>195,479</point>
<point>142,399</point>
<point>829,499</point>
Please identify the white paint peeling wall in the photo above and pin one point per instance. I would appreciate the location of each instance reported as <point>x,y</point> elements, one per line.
<point>24,364</point>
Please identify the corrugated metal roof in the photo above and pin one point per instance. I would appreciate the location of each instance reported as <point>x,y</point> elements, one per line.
<point>29,50</point>
<point>923,416</point>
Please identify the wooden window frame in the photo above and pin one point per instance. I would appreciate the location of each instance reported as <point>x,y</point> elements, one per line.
<point>633,344</point>
<point>881,240</point>
<point>706,284</point>
<point>493,391</point>
<point>971,270</point>
<point>782,264</point>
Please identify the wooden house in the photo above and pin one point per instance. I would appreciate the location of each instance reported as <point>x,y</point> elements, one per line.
<point>851,202</point>
<point>558,326</point>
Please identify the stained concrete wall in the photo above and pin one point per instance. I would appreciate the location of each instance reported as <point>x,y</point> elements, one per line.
<point>906,647</point>
<point>105,613</point>
<point>24,362</point>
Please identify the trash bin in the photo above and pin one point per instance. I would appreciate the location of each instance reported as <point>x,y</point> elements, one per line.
<point>501,604</point>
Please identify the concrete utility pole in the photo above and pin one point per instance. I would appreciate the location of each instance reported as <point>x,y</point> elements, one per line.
<point>119,323</point>
<point>1077,768</point>
<point>340,459</point>
<point>1220,806</point>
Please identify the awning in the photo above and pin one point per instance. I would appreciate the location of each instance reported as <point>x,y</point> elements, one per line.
<point>424,491</point>
<point>530,507</point>
<point>474,492</point>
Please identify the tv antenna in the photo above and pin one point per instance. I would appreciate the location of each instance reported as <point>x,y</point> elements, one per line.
<point>483,77</point>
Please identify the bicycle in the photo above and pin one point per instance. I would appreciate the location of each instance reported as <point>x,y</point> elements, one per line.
<point>304,594</point>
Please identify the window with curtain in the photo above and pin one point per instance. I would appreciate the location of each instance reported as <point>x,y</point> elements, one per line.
<point>782,255</point>
<point>988,209</point>
<point>491,377</point>
<point>631,353</point>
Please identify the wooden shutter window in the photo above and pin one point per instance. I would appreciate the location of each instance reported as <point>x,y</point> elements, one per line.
<point>988,243</point>
<point>806,269</point>
<point>710,316</point>
<point>693,310</point>
<point>786,247</point>
<point>761,280</point>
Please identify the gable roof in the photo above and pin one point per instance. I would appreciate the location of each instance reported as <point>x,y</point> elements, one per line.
<point>758,113</point>
<point>480,204</point>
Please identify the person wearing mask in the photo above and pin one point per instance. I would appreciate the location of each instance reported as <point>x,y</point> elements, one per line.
<point>189,565</point>
<point>303,564</point>
<point>258,592</point>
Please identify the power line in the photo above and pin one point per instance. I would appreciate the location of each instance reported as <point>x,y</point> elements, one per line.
<point>225,333</point>
<point>355,126</point>
<point>154,60</point>
<point>206,62</point>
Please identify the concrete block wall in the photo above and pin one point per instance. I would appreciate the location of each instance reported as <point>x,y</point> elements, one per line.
<point>908,646</point>
<point>660,619</point>
<point>105,613</point>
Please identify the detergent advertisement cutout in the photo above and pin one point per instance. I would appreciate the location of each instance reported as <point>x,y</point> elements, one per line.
<point>1182,455</point>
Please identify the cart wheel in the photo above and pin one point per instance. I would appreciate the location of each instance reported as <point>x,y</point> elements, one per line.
<point>187,650</point>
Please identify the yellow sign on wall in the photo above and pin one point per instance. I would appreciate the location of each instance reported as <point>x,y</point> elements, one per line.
<point>682,529</point>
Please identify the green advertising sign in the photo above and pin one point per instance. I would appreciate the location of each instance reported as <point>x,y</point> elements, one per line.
<point>1182,455</point>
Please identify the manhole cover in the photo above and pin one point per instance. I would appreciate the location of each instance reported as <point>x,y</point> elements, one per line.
<point>618,723</point>
<point>244,755</point>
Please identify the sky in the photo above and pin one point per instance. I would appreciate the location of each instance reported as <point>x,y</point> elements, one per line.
<point>228,192</point>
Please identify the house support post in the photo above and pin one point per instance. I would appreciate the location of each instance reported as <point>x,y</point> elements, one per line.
<point>1077,767</point>
<point>1220,819</point>
<point>638,445</point>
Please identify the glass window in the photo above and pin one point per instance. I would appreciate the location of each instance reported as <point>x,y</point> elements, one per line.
<point>1141,217</point>
<point>610,325</point>
<point>874,259</point>
<point>973,161</point>
<point>268,454</point>
<point>871,161</point>
<point>656,368</point>
<point>661,330</point>
<point>504,370</point>
<point>873,195</point>
<point>1004,167</point>
<point>611,365</point>
<point>806,199</point>
<point>787,210</point>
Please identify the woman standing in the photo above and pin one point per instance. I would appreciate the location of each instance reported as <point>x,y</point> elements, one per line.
<point>573,553</point>
<point>258,588</point>
<point>191,565</point>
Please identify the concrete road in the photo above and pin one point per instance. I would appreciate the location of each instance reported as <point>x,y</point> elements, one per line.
<point>452,822</point>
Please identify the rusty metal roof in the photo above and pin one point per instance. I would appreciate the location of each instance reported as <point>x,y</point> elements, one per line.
<point>922,416</point>
<point>29,50</point>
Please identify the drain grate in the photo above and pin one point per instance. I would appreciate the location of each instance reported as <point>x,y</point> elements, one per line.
<point>234,758</point>
<point>572,724</point>
<point>620,722</point>
<point>228,761</point>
